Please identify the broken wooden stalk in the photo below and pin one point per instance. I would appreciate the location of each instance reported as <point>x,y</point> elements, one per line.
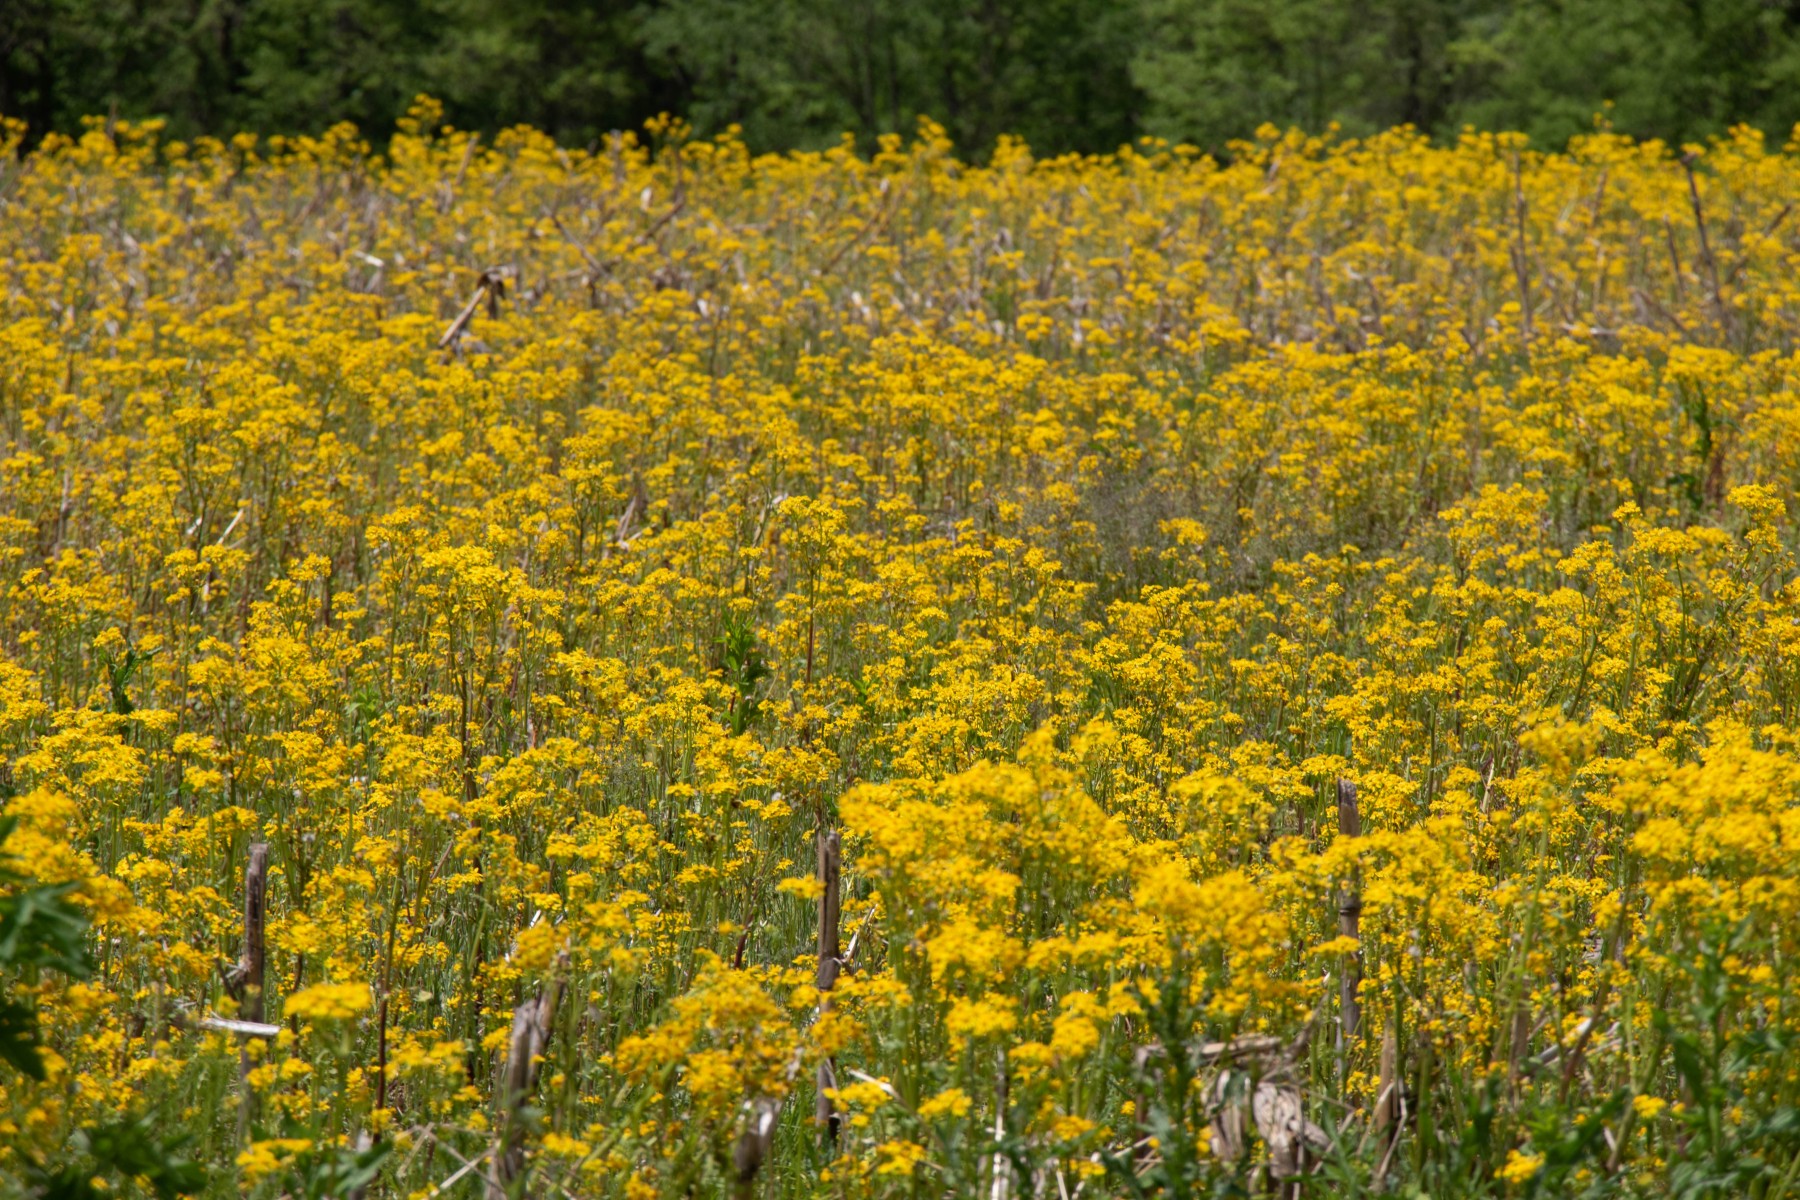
<point>491,287</point>
<point>753,1144</point>
<point>249,973</point>
<point>830,911</point>
<point>525,1048</point>
<point>1387,1105</point>
<point>1349,907</point>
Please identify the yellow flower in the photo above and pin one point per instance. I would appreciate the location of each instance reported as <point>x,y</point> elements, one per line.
<point>951,1102</point>
<point>329,1002</point>
<point>899,1157</point>
<point>1174,591</point>
<point>264,1158</point>
<point>1519,1168</point>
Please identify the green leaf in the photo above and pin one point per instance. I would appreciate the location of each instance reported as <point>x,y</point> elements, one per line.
<point>342,1169</point>
<point>131,1150</point>
<point>40,928</point>
<point>19,1038</point>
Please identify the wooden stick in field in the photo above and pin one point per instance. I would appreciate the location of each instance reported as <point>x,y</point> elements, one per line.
<point>531,1026</point>
<point>249,973</point>
<point>1721,311</point>
<point>754,1143</point>
<point>491,287</point>
<point>830,911</point>
<point>465,316</point>
<point>1387,1105</point>
<point>763,1112</point>
<point>1349,925</point>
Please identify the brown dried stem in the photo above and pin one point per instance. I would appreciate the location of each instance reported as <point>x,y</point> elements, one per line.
<point>248,976</point>
<point>532,1022</point>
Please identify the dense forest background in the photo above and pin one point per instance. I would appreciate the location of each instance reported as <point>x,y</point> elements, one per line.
<point>1067,75</point>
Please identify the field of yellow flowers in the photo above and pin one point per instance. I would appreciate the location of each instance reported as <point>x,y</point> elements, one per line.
<point>651,671</point>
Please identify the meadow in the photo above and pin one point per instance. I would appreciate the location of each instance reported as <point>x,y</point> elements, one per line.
<point>649,671</point>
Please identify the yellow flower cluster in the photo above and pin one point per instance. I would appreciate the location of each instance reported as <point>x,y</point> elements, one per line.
<point>328,1002</point>
<point>1314,633</point>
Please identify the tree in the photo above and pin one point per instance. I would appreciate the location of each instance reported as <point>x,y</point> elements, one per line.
<point>1675,69</point>
<point>801,72</point>
<point>1216,69</point>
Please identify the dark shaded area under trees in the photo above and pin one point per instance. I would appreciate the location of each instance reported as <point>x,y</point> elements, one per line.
<point>1066,75</point>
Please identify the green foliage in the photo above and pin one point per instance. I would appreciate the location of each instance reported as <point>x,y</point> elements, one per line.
<point>1723,1071</point>
<point>1175,1105</point>
<point>741,661</point>
<point>576,68</point>
<point>297,66</point>
<point>1660,68</point>
<point>799,72</point>
<point>1084,75</point>
<point>1208,64</point>
<point>1655,68</point>
<point>120,671</point>
<point>1572,1141</point>
<point>39,929</point>
<point>327,1172</point>
<point>127,1150</point>
<point>19,1037</point>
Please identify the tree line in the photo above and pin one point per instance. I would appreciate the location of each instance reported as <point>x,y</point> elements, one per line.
<point>1065,75</point>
